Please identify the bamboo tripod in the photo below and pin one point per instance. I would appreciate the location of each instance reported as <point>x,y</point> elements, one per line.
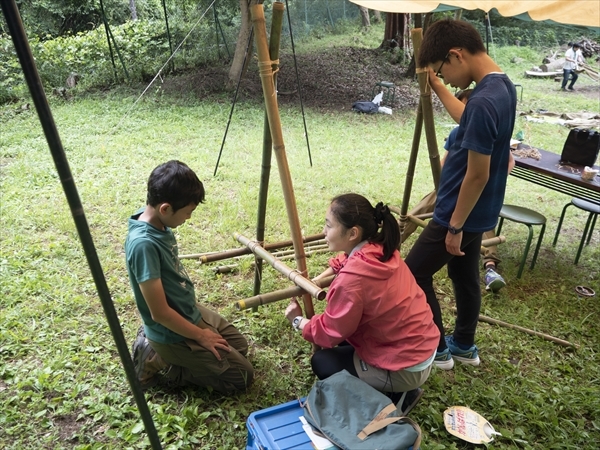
<point>268,63</point>
<point>424,117</point>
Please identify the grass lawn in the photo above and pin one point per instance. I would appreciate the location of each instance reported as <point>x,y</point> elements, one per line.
<point>61,381</point>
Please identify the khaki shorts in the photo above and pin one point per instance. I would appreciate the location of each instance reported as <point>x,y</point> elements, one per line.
<point>387,381</point>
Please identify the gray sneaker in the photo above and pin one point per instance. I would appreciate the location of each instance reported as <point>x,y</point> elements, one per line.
<point>493,280</point>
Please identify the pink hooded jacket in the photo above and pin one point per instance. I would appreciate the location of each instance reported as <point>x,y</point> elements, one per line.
<point>378,308</point>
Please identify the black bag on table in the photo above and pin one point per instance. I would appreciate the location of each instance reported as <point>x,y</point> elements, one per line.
<point>581,147</point>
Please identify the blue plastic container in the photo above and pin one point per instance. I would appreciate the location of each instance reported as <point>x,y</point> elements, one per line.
<point>277,428</point>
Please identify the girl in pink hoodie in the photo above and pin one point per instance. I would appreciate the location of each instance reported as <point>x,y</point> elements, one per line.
<point>377,324</point>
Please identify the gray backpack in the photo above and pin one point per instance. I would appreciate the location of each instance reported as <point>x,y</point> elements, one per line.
<point>356,416</point>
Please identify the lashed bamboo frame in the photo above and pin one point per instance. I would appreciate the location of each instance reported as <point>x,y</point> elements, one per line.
<point>311,288</point>
<point>270,94</point>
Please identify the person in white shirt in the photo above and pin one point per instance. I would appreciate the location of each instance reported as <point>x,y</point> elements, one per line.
<point>570,66</point>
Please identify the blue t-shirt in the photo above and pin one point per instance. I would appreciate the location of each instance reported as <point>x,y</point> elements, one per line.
<point>150,254</point>
<point>485,127</point>
<point>451,138</point>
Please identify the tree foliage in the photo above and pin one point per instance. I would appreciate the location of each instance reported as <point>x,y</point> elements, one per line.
<point>48,19</point>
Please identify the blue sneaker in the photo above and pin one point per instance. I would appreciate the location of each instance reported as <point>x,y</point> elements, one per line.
<point>493,280</point>
<point>469,356</point>
<point>444,360</point>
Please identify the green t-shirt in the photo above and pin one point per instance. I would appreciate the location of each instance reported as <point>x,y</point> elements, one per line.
<point>150,254</point>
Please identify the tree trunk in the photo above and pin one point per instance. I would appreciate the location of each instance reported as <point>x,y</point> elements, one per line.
<point>396,29</point>
<point>553,66</point>
<point>364,16</point>
<point>458,14</point>
<point>238,67</point>
<point>377,16</point>
<point>428,20</point>
<point>133,10</point>
<point>418,20</point>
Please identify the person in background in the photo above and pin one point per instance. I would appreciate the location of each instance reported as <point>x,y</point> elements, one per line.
<point>377,324</point>
<point>570,67</point>
<point>181,342</point>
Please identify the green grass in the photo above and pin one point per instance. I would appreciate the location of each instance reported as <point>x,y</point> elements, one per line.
<point>61,381</point>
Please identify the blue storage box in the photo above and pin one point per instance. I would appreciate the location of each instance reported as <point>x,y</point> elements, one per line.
<point>277,428</point>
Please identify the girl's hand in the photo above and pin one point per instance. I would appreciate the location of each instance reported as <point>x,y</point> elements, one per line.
<point>293,310</point>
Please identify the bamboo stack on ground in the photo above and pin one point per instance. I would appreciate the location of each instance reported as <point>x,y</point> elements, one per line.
<point>590,72</point>
<point>235,252</point>
<point>282,256</point>
<point>270,95</point>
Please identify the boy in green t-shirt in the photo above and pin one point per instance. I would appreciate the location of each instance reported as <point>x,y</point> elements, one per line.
<point>185,342</point>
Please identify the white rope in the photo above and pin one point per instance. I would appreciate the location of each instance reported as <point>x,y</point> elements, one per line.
<point>164,65</point>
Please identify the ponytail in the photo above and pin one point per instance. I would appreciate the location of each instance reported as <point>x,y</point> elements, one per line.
<point>389,232</point>
<point>378,224</point>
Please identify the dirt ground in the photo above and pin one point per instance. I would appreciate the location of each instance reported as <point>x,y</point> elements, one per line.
<point>331,80</point>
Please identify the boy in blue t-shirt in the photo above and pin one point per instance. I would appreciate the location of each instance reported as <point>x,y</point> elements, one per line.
<point>185,342</point>
<point>473,179</point>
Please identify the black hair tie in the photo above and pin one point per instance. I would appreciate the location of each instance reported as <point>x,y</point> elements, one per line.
<point>381,211</point>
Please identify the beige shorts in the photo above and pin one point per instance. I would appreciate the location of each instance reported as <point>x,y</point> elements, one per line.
<point>387,381</point>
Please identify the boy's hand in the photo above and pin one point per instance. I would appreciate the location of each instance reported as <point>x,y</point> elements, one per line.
<point>453,242</point>
<point>434,80</point>
<point>212,341</point>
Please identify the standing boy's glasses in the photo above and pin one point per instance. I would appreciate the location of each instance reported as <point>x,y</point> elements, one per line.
<point>438,73</point>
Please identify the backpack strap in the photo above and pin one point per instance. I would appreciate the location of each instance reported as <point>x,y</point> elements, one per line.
<point>417,428</point>
<point>380,421</point>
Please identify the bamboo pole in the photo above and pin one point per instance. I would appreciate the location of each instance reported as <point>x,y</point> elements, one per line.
<point>234,252</point>
<point>412,160</point>
<point>276,24</point>
<point>275,296</point>
<point>266,77</point>
<point>424,116</point>
<point>294,275</point>
<point>410,170</point>
<point>427,107</point>
<point>493,241</point>
<point>547,337</point>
